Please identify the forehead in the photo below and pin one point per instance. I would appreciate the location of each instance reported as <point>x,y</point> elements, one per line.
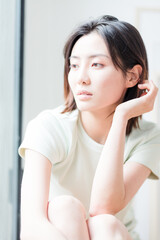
<point>91,44</point>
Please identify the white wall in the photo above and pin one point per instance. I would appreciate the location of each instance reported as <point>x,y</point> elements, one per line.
<point>48,23</point>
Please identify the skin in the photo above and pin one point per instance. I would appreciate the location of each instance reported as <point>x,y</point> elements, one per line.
<point>102,113</point>
<point>99,76</point>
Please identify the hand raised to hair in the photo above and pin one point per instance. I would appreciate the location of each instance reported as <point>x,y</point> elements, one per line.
<point>141,105</point>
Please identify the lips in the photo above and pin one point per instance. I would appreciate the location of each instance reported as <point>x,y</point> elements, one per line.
<point>83,92</point>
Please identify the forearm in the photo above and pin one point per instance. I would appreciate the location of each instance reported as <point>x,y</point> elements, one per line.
<point>40,229</point>
<point>108,190</point>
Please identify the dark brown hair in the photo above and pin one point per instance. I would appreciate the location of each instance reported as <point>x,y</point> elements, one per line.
<point>126,49</point>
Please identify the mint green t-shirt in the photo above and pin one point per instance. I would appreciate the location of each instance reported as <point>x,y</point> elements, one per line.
<point>74,155</point>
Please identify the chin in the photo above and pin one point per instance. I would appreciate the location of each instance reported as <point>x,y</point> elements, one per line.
<point>85,107</point>
<point>80,108</point>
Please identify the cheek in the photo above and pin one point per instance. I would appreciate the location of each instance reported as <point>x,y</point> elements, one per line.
<point>69,77</point>
<point>105,82</point>
<point>70,81</point>
<point>112,87</point>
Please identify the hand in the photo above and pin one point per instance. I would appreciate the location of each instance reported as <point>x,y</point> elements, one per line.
<point>141,105</point>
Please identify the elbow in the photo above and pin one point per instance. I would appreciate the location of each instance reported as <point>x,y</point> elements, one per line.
<point>28,236</point>
<point>25,236</point>
<point>112,208</point>
<point>100,210</point>
<point>28,233</point>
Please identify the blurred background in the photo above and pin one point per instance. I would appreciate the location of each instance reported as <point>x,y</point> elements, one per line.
<point>32,36</point>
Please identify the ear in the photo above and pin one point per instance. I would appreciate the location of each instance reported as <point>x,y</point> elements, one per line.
<point>133,76</point>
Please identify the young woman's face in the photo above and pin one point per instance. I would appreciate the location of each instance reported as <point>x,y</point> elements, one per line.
<point>92,70</point>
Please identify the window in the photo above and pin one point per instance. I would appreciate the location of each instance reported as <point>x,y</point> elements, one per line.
<point>11,69</point>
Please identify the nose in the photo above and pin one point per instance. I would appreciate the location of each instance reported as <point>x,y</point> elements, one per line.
<point>83,76</point>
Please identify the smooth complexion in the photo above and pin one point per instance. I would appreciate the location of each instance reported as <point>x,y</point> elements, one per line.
<point>92,69</point>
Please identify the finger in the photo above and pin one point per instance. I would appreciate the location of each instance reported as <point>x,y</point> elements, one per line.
<point>155,86</point>
<point>145,86</point>
<point>148,85</point>
<point>145,83</point>
<point>148,88</point>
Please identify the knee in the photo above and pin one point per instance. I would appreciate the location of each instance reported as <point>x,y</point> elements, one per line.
<point>106,219</point>
<point>66,204</point>
<point>110,223</point>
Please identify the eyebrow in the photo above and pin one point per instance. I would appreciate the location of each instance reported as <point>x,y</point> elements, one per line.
<point>91,56</point>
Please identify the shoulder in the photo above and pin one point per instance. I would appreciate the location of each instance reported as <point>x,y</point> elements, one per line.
<point>146,139</point>
<point>54,118</point>
<point>147,132</point>
<point>143,146</point>
<point>50,133</point>
<point>52,124</point>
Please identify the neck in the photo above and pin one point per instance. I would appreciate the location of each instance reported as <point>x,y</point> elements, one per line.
<point>97,124</point>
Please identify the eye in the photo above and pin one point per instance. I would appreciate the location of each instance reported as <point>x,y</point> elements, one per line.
<point>97,65</point>
<point>73,66</point>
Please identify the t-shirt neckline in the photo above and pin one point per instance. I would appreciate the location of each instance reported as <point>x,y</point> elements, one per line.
<point>92,143</point>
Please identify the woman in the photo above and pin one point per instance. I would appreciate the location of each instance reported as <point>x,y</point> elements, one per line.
<point>85,160</point>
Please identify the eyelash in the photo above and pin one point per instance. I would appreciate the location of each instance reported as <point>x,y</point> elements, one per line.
<point>101,65</point>
<point>75,65</point>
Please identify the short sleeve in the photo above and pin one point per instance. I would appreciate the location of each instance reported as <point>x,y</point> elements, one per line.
<point>148,153</point>
<point>44,135</point>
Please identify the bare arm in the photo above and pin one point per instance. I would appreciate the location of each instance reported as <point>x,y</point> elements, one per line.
<point>34,199</point>
<point>114,185</point>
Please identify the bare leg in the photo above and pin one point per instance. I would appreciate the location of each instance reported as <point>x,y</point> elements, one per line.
<point>68,215</point>
<point>107,227</point>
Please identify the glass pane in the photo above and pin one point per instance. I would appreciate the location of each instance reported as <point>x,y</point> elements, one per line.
<point>9,117</point>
